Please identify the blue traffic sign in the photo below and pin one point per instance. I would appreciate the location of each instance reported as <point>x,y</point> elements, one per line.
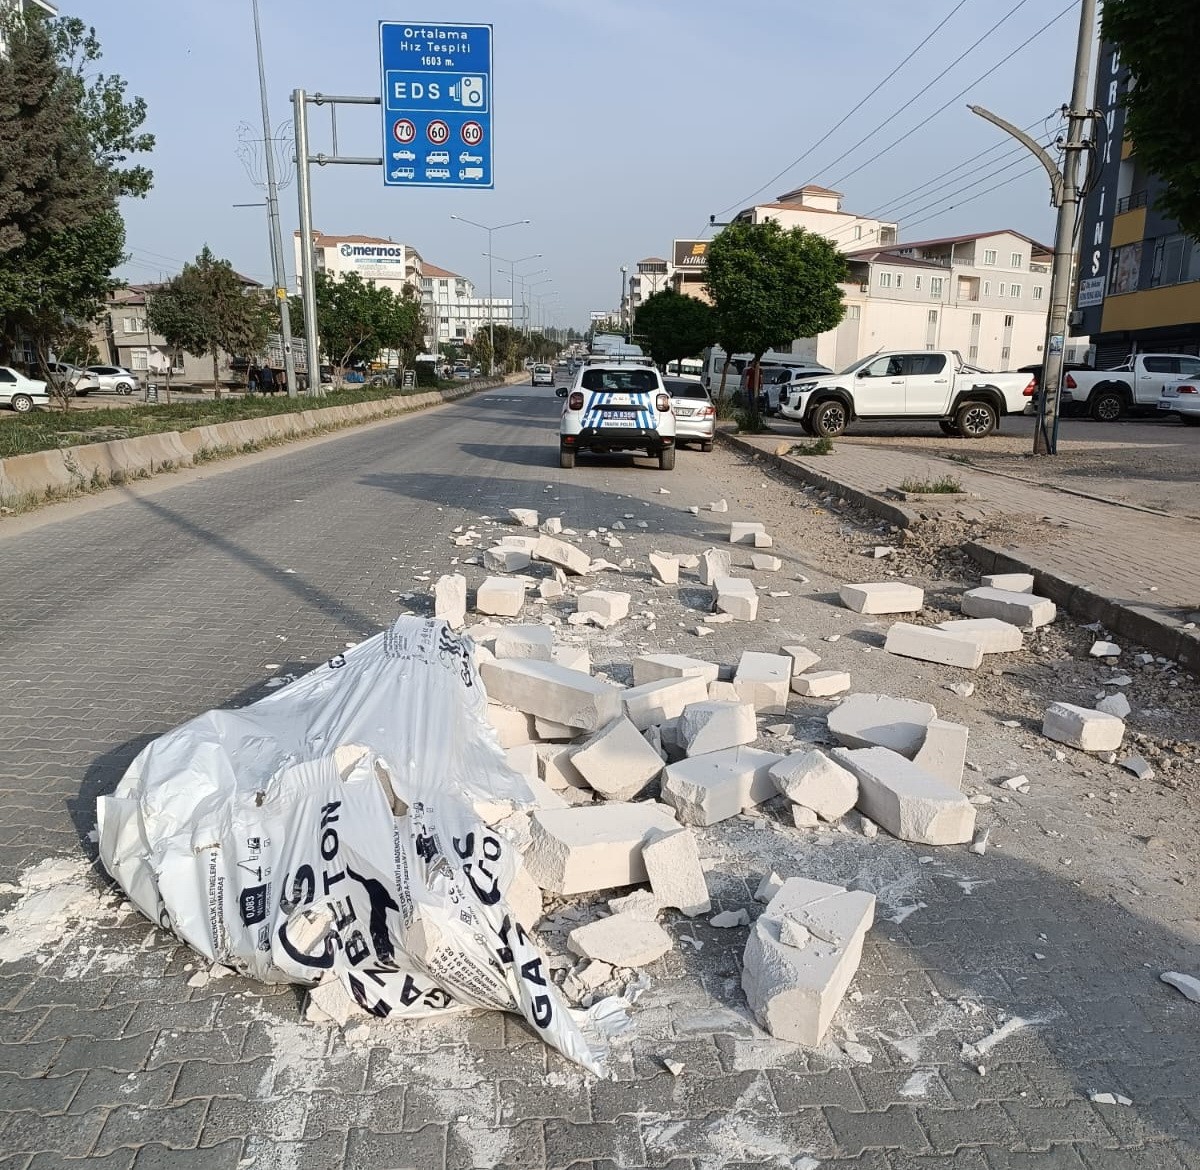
<point>437,104</point>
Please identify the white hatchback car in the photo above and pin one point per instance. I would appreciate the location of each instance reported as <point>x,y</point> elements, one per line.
<point>116,378</point>
<point>617,406</point>
<point>20,392</point>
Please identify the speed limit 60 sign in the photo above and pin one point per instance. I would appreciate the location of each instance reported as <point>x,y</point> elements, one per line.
<point>437,104</point>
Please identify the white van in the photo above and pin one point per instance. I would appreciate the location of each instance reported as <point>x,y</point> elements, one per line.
<point>687,368</point>
<point>714,364</point>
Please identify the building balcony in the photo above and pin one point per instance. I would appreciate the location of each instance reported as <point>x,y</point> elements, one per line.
<point>1133,202</point>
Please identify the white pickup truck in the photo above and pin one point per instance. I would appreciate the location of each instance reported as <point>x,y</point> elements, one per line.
<point>1136,384</point>
<point>909,384</point>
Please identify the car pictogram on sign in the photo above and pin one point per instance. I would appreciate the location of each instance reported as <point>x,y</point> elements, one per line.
<point>472,133</point>
<point>403,130</point>
<point>437,132</point>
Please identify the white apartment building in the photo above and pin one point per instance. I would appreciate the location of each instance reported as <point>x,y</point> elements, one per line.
<point>388,263</point>
<point>819,210</point>
<point>453,310</point>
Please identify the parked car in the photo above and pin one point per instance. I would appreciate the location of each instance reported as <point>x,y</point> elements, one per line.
<point>695,414</point>
<point>920,384</point>
<point>1182,398</point>
<point>78,379</point>
<point>617,406</point>
<point>777,381</point>
<point>543,375</point>
<point>1136,384</point>
<point>116,379</point>
<point>20,393</point>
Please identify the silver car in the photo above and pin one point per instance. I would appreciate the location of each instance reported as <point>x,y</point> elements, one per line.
<point>695,414</point>
<point>80,381</point>
<point>1182,398</point>
<point>116,379</point>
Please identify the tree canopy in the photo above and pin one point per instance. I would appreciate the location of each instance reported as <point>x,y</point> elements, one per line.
<point>1157,40</point>
<point>673,326</point>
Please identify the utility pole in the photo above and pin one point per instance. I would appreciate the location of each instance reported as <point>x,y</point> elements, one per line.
<point>1065,193</point>
<point>278,276</point>
<point>308,275</point>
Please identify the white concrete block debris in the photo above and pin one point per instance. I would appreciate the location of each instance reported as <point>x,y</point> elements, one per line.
<point>610,607</point>
<point>522,758</point>
<point>803,659</point>
<point>701,631</point>
<point>523,517</point>
<point>551,731</point>
<point>763,681</point>
<point>666,568</point>
<point>718,506</point>
<point>563,555</point>
<point>525,642</point>
<point>763,540</point>
<point>1117,705</point>
<point>688,560</point>
<point>868,720</point>
<point>1026,610</point>
<point>795,991</point>
<point>639,903</point>
<point>742,531</point>
<point>876,597</point>
<point>727,919</point>
<point>792,934</point>
<point>713,787</point>
<point>710,726</point>
<point>995,636</point>
<point>906,800</point>
<point>821,683</point>
<point>616,761</point>
<point>555,767</point>
<point>573,658</point>
<point>1101,649</point>
<point>930,645</point>
<point>713,564</point>
<point>763,563</point>
<point>500,596</point>
<point>553,692</point>
<point>550,590</point>
<point>656,702</point>
<point>694,509</point>
<point>723,692</point>
<point>450,600</point>
<point>330,1001</point>
<point>771,884</point>
<point>506,558</point>
<point>620,940</point>
<point>551,526</point>
<point>812,779</point>
<point>804,818</point>
<point>512,727</point>
<point>672,863</point>
<point>1139,767</point>
<point>1083,728</point>
<point>944,752</point>
<point>653,667</point>
<point>737,597</point>
<point>594,847</point>
<point>1010,582</point>
<point>1186,985</point>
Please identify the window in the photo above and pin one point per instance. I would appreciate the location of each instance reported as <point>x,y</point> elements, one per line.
<point>884,367</point>
<point>853,312</point>
<point>1170,253</point>
<point>1004,354</point>
<point>935,286</point>
<point>885,280</point>
<point>1125,269</point>
<point>989,256</point>
<point>899,279</point>
<point>922,364</point>
<point>1008,320</point>
<point>1014,290</point>
<point>7,375</point>
<point>1014,260</point>
<point>1189,367</point>
<point>1037,292</point>
<point>933,316</point>
<point>134,325</point>
<point>858,231</point>
<point>916,282</point>
<point>987,288</point>
<point>973,354</point>
<point>976,320</point>
<point>443,284</point>
<point>1003,288</point>
<point>1161,365</point>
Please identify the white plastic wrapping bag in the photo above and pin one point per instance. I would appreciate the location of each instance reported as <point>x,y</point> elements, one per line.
<point>331,827</point>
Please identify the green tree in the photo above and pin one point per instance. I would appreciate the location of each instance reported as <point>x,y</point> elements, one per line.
<point>510,348</point>
<point>481,349</point>
<point>1156,39</point>
<point>207,309</point>
<point>673,326</point>
<point>770,286</point>
<point>66,137</point>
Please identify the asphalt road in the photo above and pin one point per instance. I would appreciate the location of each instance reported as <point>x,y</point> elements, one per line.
<point>129,613</point>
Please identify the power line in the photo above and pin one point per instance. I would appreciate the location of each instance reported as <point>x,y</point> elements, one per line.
<point>905,60</point>
<point>956,97</point>
<point>979,195</point>
<point>926,88</point>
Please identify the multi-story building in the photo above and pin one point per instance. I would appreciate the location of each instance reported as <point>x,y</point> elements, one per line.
<point>454,312</point>
<point>41,6</point>
<point>388,263</point>
<point>818,209</point>
<point>652,276</point>
<point>1139,275</point>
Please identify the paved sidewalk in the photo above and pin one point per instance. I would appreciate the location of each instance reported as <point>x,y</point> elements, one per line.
<point>1135,570</point>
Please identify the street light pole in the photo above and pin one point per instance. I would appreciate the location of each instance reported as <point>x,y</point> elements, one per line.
<point>277,269</point>
<point>624,308</point>
<point>491,312</point>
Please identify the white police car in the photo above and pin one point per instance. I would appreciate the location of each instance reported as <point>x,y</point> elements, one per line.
<point>617,406</point>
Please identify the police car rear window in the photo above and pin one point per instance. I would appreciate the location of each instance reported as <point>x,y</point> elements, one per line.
<point>635,381</point>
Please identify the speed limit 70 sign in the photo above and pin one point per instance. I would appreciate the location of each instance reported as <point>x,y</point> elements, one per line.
<point>437,104</point>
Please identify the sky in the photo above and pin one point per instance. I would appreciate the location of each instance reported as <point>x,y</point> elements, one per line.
<point>619,125</point>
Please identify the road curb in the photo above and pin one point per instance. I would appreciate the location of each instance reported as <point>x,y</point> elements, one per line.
<point>45,476</point>
<point>892,512</point>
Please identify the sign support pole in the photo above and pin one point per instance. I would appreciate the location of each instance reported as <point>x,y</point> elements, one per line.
<point>308,289</point>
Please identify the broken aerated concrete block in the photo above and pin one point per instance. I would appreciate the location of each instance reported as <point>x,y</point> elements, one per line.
<point>673,865</point>
<point>944,752</point>
<point>881,597</point>
<point>500,596</point>
<point>653,667</point>
<point>506,558</point>
<point>563,555</point>
<point>607,606</point>
<point>450,600</point>
<point>549,730</point>
<point>742,531</point>
<point>906,800</point>
<point>1010,582</point>
<point>572,657</point>
<point>815,781</point>
<point>737,597</point>
<point>616,761</point>
<point>763,681</point>
<point>552,692</point>
<point>713,564</point>
<point>866,720</point>
<point>821,684</point>
<point>666,568</point>
<point>656,702</point>
<point>930,645</point>
<point>763,540</point>
<point>762,563</point>
<point>794,990</point>
<point>993,635</point>
<point>1083,728</point>
<point>713,726</point>
<point>1026,610</point>
<point>803,659</point>
<point>524,517</point>
<point>512,727</point>
<point>525,642</point>
<point>621,940</point>
<point>710,788</point>
<point>596,847</point>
